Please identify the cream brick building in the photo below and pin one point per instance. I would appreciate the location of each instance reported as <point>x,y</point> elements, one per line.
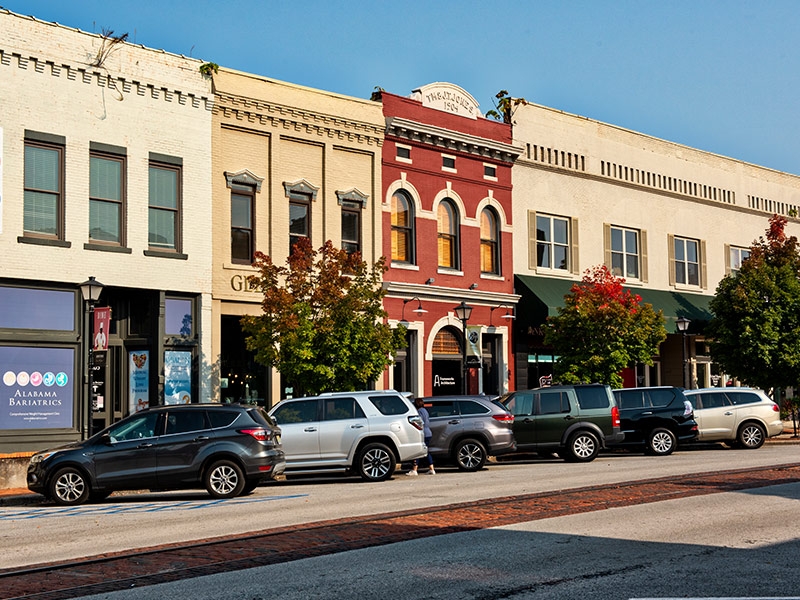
<point>105,171</point>
<point>672,220</point>
<point>287,161</point>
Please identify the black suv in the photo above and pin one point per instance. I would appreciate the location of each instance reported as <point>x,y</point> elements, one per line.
<point>228,449</point>
<point>658,418</point>
<point>575,421</point>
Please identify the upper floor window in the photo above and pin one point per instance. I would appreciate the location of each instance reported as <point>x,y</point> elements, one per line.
<point>448,163</point>
<point>402,228</point>
<point>625,251</point>
<point>299,218</point>
<point>243,200</point>
<point>106,198</point>
<point>552,242</point>
<point>687,257</point>
<point>489,172</point>
<point>43,210</point>
<point>447,220</point>
<point>490,242</point>
<point>164,206</point>
<point>735,257</point>
<point>403,153</point>
<point>351,227</point>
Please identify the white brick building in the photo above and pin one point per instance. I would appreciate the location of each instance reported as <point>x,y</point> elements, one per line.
<point>105,171</point>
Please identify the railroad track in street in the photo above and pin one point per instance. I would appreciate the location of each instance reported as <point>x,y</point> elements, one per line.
<point>173,562</point>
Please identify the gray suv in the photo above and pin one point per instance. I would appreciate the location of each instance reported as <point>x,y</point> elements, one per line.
<point>366,433</point>
<point>467,429</point>
<point>575,421</point>
<point>228,449</point>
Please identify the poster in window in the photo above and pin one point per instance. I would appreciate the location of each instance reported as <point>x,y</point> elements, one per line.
<point>177,377</point>
<point>138,380</point>
<point>37,390</point>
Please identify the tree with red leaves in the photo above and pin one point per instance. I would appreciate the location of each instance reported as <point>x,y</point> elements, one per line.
<point>601,329</point>
<point>323,323</point>
<point>755,330</point>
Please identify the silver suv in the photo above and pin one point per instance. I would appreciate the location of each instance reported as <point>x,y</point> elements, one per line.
<point>740,417</point>
<point>367,433</point>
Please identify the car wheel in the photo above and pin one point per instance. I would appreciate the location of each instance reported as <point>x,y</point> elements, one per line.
<point>376,462</point>
<point>470,455</point>
<point>661,442</point>
<point>69,487</point>
<point>224,479</point>
<point>583,446</point>
<point>751,436</point>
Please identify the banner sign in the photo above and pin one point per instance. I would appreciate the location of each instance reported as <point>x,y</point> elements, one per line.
<point>36,389</point>
<point>102,317</point>
<point>177,377</point>
<point>474,341</point>
<point>138,380</point>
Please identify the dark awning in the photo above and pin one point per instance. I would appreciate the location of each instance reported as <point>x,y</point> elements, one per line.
<point>542,296</point>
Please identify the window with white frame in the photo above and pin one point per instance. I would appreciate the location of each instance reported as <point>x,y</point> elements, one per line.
<point>686,261</point>
<point>447,219</point>
<point>490,242</point>
<point>735,257</point>
<point>552,242</point>
<point>625,252</point>
<point>403,242</point>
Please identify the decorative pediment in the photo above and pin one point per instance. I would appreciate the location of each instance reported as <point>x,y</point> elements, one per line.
<point>353,195</point>
<point>301,186</point>
<point>244,177</point>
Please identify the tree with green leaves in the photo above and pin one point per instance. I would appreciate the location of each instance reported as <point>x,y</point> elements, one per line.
<point>323,323</point>
<point>755,330</point>
<point>504,107</point>
<point>602,329</point>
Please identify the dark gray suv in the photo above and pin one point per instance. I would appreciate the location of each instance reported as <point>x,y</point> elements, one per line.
<point>575,421</point>
<point>228,449</point>
<point>468,429</point>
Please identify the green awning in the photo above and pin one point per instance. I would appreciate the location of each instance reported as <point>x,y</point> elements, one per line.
<point>542,296</point>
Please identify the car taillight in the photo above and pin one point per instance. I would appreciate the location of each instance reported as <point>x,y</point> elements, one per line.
<point>416,421</point>
<point>259,433</point>
<point>506,418</point>
<point>615,416</point>
<point>775,408</point>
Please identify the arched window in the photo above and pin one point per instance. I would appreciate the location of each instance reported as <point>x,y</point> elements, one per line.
<point>490,242</point>
<point>402,228</point>
<point>447,219</point>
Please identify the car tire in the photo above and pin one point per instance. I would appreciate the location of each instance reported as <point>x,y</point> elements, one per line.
<point>249,488</point>
<point>751,436</point>
<point>582,446</point>
<point>224,479</point>
<point>661,442</point>
<point>376,462</point>
<point>69,487</point>
<point>469,455</point>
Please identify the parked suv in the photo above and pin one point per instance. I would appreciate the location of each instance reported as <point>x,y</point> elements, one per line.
<point>468,429</point>
<point>658,418</point>
<point>575,421</point>
<point>228,449</point>
<point>367,433</point>
<point>738,416</point>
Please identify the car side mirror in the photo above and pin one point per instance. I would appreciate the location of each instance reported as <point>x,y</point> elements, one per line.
<point>105,439</point>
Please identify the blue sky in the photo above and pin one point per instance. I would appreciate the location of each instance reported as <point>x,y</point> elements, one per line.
<point>722,76</point>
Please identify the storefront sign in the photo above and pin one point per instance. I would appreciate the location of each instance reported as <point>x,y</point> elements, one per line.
<point>138,380</point>
<point>177,377</point>
<point>36,389</point>
<point>241,283</point>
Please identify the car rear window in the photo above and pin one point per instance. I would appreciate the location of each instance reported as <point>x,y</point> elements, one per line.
<point>629,399</point>
<point>659,398</point>
<point>743,397</point>
<point>260,416</point>
<point>336,409</point>
<point>186,421</point>
<point>222,418</point>
<point>470,407</point>
<point>389,405</point>
<point>593,396</point>
<point>711,400</point>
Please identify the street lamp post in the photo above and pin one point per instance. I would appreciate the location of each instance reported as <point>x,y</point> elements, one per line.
<point>463,312</point>
<point>90,290</point>
<point>682,324</point>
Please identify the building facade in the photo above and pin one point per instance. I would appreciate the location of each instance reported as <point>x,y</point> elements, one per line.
<point>288,162</point>
<point>105,172</point>
<point>671,220</point>
<point>447,236</point>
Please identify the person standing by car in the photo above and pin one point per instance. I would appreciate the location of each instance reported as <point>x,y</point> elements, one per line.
<point>426,431</point>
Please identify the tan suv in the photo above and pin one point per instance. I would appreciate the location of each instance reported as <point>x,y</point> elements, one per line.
<point>740,417</point>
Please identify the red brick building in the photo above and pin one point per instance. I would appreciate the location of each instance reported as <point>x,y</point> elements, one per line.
<point>447,226</point>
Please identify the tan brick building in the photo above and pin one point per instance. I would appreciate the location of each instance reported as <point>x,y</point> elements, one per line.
<point>670,219</point>
<point>287,161</point>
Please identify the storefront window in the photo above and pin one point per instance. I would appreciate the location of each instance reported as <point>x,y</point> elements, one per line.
<point>25,308</point>
<point>178,317</point>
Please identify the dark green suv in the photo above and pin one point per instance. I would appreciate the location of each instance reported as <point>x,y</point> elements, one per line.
<point>575,421</point>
